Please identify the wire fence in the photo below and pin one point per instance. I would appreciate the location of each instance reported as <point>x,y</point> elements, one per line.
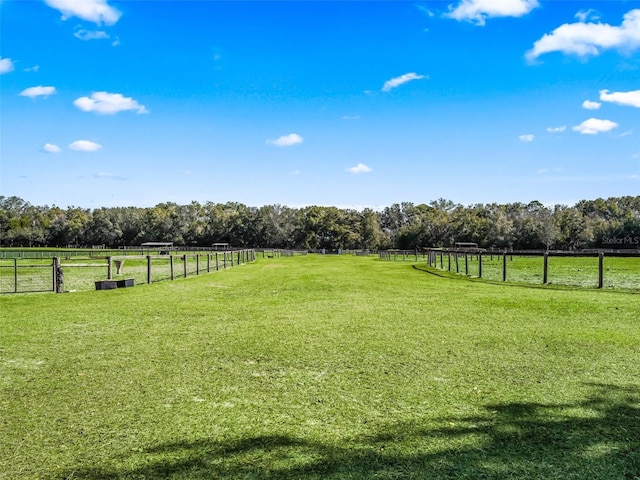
<point>584,269</point>
<point>27,275</point>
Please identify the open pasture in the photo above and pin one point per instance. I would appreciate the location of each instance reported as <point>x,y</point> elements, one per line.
<point>320,367</point>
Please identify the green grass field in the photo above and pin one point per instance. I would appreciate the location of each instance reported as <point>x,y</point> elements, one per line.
<point>321,367</point>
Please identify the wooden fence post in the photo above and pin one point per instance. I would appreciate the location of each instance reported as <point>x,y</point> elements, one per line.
<point>545,270</point>
<point>208,262</point>
<point>217,264</point>
<point>148,268</point>
<point>457,263</point>
<point>197,264</point>
<point>449,260</point>
<point>108,268</point>
<point>480,265</point>
<point>466,264</point>
<point>504,267</point>
<point>55,264</point>
<point>184,260</point>
<point>224,260</point>
<point>172,264</point>
<point>601,270</point>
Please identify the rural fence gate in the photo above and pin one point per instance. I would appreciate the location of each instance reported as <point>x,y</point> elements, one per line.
<point>28,276</point>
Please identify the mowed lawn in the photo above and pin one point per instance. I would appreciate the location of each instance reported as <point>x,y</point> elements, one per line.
<point>320,367</point>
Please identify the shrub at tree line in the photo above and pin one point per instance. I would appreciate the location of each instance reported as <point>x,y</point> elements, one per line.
<point>608,223</point>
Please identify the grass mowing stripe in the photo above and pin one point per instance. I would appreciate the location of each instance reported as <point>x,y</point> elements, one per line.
<point>320,367</point>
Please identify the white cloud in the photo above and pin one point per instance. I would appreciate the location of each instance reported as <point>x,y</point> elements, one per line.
<point>351,117</point>
<point>360,168</point>
<point>96,11</point>
<point>286,140</point>
<point>6,65</point>
<point>593,126</point>
<point>630,99</point>
<point>589,105</point>
<point>35,68</point>
<point>108,103</point>
<point>557,129</point>
<point>397,81</point>
<point>477,11</point>
<point>526,138</point>
<point>109,176</point>
<point>39,91</point>
<point>91,35</point>
<point>85,146</point>
<point>584,39</point>
<point>590,14</point>
<point>51,148</point>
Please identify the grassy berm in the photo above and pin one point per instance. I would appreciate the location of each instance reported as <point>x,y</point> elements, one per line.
<point>321,367</point>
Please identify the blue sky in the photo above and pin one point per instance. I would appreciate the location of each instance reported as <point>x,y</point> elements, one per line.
<point>351,104</point>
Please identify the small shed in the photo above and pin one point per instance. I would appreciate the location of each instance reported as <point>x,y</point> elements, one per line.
<point>467,246</point>
<point>157,244</point>
<point>220,246</point>
<point>163,247</point>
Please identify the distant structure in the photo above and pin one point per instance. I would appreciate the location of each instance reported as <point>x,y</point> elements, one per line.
<point>163,247</point>
<point>157,244</point>
<point>467,247</point>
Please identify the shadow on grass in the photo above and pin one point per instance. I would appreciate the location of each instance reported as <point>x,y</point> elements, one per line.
<point>598,438</point>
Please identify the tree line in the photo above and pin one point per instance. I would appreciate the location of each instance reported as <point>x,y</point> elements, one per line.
<point>608,223</point>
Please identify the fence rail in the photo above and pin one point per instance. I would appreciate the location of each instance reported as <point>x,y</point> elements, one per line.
<point>613,269</point>
<point>19,275</point>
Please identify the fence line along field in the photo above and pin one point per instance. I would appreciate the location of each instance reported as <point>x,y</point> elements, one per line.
<point>25,272</point>
<point>321,367</point>
<point>599,269</point>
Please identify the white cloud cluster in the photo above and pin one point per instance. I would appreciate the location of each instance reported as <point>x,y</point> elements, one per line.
<point>108,103</point>
<point>360,168</point>
<point>589,14</point>
<point>6,65</point>
<point>397,81</point>
<point>84,146</point>
<point>557,129</point>
<point>584,39</point>
<point>630,99</point>
<point>594,126</point>
<point>96,11</point>
<point>477,11</point>
<point>589,105</point>
<point>286,140</point>
<point>91,35</point>
<point>51,148</point>
<point>39,91</point>
<point>526,138</point>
